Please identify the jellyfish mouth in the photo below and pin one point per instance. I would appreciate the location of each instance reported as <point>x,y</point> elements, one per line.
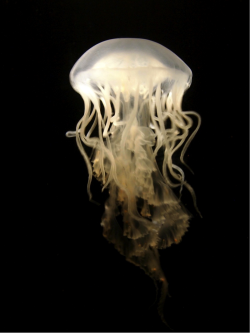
<point>142,214</point>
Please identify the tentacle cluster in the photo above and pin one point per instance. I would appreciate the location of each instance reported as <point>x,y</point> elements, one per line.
<point>142,213</point>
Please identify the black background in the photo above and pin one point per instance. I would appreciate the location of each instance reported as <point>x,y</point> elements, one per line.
<point>59,273</point>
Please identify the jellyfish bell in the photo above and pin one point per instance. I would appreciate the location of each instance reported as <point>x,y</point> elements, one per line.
<point>140,85</point>
<point>128,62</point>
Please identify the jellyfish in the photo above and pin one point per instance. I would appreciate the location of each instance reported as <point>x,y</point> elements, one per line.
<point>132,91</point>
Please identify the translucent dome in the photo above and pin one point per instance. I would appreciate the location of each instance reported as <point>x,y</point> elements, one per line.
<point>128,62</point>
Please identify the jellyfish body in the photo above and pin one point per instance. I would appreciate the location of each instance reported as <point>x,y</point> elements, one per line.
<point>132,90</point>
